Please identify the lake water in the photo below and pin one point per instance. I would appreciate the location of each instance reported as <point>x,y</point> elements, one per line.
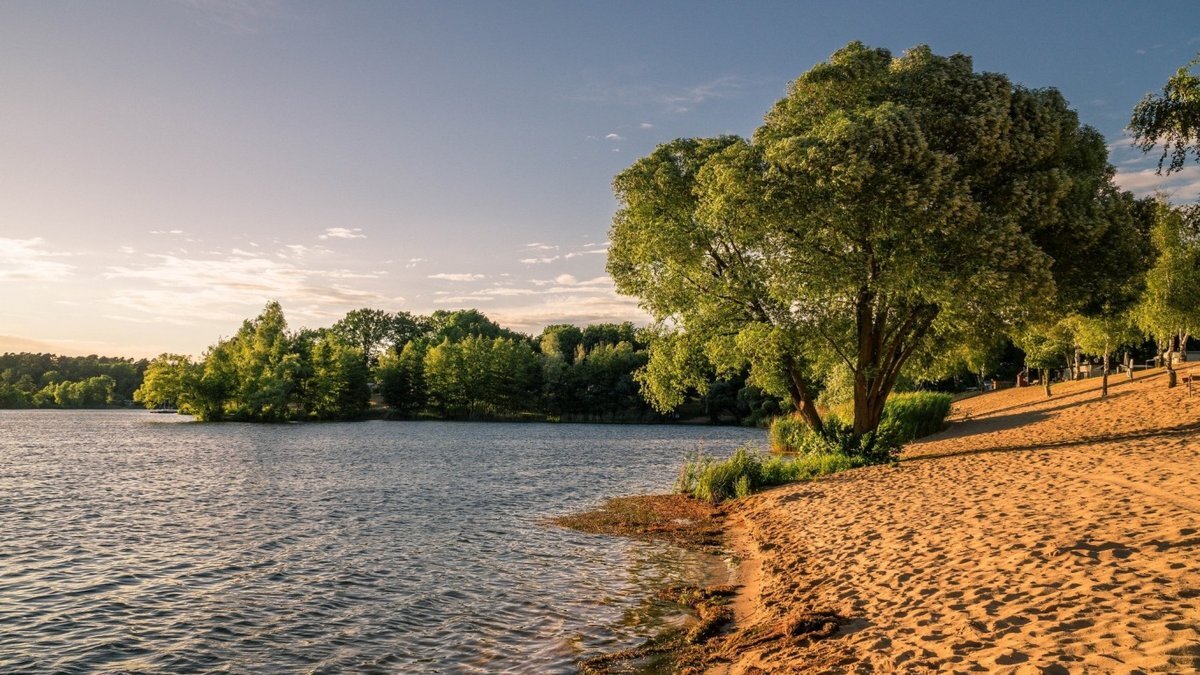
<point>138,542</point>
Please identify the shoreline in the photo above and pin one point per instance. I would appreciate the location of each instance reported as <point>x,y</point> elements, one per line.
<point>1032,535</point>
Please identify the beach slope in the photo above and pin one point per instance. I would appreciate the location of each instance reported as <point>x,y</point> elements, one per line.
<point>1034,535</point>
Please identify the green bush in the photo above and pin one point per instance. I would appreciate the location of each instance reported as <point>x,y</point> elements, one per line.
<point>906,417</point>
<point>917,414</point>
<point>748,470</point>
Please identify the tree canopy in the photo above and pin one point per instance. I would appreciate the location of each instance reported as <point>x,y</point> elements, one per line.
<point>883,201</point>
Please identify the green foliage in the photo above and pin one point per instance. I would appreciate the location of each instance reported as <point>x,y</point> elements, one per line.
<point>1171,302</point>
<point>747,470</point>
<point>1046,345</point>
<point>48,380</point>
<point>883,201</point>
<point>1104,333</point>
<point>906,417</point>
<point>912,415</point>
<point>263,369</point>
<point>169,382</point>
<point>373,331</point>
<point>480,377</point>
<point>338,387</point>
<point>560,341</point>
<point>94,392</point>
<point>401,378</point>
<point>458,325</point>
<point>1171,118</point>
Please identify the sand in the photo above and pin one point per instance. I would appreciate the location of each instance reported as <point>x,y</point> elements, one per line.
<point>1034,535</point>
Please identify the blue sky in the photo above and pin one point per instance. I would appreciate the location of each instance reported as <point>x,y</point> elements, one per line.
<point>168,167</point>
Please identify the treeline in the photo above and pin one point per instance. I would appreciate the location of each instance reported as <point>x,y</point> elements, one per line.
<point>52,381</point>
<point>449,365</point>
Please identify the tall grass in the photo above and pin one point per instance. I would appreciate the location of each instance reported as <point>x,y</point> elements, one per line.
<point>906,417</point>
<point>748,470</point>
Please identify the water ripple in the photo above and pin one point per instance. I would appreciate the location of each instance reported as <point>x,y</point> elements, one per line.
<point>137,542</point>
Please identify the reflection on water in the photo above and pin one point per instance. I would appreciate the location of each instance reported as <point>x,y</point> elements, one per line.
<point>141,542</point>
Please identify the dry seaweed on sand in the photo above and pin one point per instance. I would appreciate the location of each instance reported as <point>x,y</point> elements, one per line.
<point>677,519</point>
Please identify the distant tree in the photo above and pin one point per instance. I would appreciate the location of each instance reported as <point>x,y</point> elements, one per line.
<point>1169,309</point>
<point>340,381</point>
<point>446,378</point>
<point>461,324</point>
<point>1102,334</point>
<point>1046,346</point>
<point>374,331</point>
<point>264,368</point>
<point>560,340</point>
<point>401,377</point>
<point>1171,119</point>
<point>609,334</point>
<point>170,381</point>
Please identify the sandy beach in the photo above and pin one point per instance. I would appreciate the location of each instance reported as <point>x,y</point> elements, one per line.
<point>1034,535</point>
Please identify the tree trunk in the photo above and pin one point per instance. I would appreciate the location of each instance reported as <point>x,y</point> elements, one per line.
<point>1170,344</point>
<point>802,397</point>
<point>1077,371</point>
<point>1104,381</point>
<point>1046,381</point>
<point>1183,340</point>
<point>868,410</point>
<point>1129,364</point>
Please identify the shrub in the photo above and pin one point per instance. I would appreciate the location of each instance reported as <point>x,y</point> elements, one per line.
<point>749,469</point>
<point>917,414</point>
<point>906,417</point>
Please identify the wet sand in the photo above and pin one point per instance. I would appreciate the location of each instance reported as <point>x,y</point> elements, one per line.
<point>1034,535</point>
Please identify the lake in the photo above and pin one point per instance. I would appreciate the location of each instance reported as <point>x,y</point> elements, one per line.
<point>134,541</point>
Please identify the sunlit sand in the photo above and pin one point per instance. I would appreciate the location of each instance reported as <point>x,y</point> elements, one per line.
<point>1034,535</point>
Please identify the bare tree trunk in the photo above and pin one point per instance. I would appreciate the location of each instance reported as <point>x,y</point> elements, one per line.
<point>1129,364</point>
<point>1046,381</point>
<point>1077,371</point>
<point>1170,362</point>
<point>802,397</point>
<point>1104,381</point>
<point>1183,340</point>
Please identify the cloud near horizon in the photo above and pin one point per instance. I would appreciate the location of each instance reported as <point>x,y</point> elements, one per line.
<point>462,276</point>
<point>342,233</point>
<point>27,260</point>
<point>181,289</point>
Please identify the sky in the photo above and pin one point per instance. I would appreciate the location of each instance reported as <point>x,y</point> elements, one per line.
<point>168,167</point>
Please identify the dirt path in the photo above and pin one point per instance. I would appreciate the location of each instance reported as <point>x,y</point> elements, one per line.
<point>1035,535</point>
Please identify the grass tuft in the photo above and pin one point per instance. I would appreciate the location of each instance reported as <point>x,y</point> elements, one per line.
<point>748,470</point>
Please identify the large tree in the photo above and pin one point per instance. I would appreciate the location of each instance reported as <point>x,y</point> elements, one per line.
<point>884,200</point>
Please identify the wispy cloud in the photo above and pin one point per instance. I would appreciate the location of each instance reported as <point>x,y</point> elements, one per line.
<point>1137,172</point>
<point>541,261</point>
<point>27,260</point>
<point>673,97</point>
<point>342,233</point>
<point>1181,186</point>
<point>646,125</point>
<point>413,262</point>
<point>236,16</point>
<point>444,276</point>
<point>614,137</point>
<point>174,232</point>
<point>185,289</point>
